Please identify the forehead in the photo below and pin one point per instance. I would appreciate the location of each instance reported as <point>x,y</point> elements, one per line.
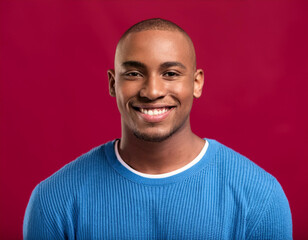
<point>155,47</point>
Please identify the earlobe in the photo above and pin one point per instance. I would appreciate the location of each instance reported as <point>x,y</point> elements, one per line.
<point>198,83</point>
<point>111,79</point>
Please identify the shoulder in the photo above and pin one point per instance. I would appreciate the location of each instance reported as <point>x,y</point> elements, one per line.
<point>74,177</point>
<point>54,201</point>
<point>80,168</point>
<point>241,175</point>
<point>243,179</point>
<point>237,168</point>
<point>255,191</point>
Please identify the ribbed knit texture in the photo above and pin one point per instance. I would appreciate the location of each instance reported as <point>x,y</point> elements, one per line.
<point>223,196</point>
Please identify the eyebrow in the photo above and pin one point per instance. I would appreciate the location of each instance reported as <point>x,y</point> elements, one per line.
<point>137,64</point>
<point>133,64</point>
<point>172,64</point>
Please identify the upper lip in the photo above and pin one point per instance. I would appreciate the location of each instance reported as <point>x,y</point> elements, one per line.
<point>152,106</point>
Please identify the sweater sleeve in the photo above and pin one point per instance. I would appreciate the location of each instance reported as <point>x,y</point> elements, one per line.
<point>275,221</point>
<point>35,225</point>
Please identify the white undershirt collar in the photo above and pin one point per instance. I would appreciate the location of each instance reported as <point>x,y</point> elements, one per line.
<point>163,175</point>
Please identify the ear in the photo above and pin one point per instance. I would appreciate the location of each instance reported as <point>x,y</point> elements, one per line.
<point>111,79</point>
<point>198,83</point>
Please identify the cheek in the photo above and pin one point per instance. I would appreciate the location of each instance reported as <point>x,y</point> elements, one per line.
<point>131,86</point>
<point>184,92</point>
<point>124,92</point>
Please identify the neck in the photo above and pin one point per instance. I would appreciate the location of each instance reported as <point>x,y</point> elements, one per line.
<point>160,157</point>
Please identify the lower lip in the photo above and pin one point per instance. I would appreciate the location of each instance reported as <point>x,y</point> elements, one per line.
<point>155,118</point>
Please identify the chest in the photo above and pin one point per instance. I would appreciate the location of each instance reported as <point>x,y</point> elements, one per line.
<point>177,212</point>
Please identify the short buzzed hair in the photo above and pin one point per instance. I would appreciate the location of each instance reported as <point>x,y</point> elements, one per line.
<point>157,24</point>
<point>154,24</point>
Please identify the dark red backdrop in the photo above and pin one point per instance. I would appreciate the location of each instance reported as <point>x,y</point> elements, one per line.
<point>55,104</point>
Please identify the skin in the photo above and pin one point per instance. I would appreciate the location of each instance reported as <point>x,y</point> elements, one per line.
<point>155,69</point>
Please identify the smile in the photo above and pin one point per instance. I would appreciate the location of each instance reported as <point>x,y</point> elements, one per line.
<point>154,114</point>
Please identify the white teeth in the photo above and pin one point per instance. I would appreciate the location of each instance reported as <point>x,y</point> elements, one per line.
<point>153,112</point>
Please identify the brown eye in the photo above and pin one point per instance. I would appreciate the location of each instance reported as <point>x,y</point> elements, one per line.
<point>133,74</point>
<point>171,74</point>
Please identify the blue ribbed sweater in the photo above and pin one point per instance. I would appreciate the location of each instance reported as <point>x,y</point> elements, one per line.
<point>223,196</point>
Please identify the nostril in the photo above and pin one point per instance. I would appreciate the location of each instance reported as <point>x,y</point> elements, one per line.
<point>152,92</point>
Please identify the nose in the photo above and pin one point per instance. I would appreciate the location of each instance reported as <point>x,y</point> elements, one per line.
<point>153,88</point>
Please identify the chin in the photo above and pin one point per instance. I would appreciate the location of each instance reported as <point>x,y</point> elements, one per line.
<point>152,137</point>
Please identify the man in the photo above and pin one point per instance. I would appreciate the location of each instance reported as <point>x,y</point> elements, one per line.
<point>160,180</point>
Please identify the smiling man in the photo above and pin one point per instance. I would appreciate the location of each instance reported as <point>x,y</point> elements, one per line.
<point>155,81</point>
<point>159,180</point>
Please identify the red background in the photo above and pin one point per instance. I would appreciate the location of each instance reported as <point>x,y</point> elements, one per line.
<point>55,105</point>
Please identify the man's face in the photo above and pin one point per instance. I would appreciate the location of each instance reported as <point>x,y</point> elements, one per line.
<point>154,83</point>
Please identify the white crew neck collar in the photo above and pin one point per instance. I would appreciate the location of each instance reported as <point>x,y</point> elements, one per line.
<point>163,175</point>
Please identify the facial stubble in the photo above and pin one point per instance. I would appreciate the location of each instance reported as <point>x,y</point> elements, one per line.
<point>158,138</point>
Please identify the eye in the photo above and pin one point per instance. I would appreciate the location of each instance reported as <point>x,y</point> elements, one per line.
<point>171,74</point>
<point>132,74</point>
